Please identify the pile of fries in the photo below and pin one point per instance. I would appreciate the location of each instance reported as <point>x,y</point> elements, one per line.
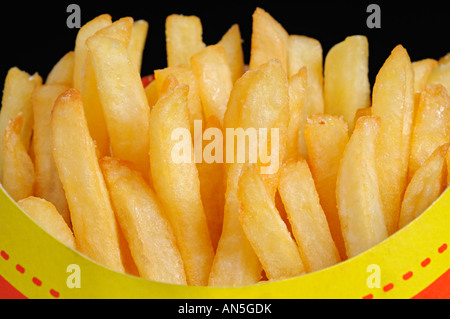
<point>88,153</point>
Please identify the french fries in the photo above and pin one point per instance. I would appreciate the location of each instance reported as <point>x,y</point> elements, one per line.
<point>307,52</point>
<point>144,224</point>
<point>46,215</point>
<point>62,72</point>
<point>48,184</point>
<point>137,42</point>
<point>123,101</point>
<point>184,38</point>
<point>214,80</point>
<point>440,74</point>
<point>18,170</point>
<point>326,138</point>
<point>431,125</point>
<point>265,229</point>
<point>81,50</point>
<point>94,224</point>
<point>120,30</point>
<point>17,92</point>
<point>314,166</point>
<point>393,103</point>
<point>346,79</point>
<point>232,43</point>
<point>426,185</point>
<point>269,41</point>
<point>309,224</point>
<point>357,190</point>
<point>178,186</point>
<point>235,262</point>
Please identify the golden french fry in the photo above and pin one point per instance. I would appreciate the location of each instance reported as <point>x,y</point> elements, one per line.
<point>366,111</point>
<point>431,125</point>
<point>393,102</point>
<point>120,30</point>
<point>427,184</point>
<point>441,73</point>
<point>326,138</point>
<point>265,230</point>
<point>357,192</point>
<point>212,186</point>
<point>177,184</point>
<point>123,100</point>
<point>143,222</point>
<point>81,51</point>
<point>48,217</point>
<point>184,37</point>
<point>151,91</point>
<point>232,43</point>
<point>346,79</point>
<point>214,80</point>
<point>184,75</point>
<point>137,42</point>
<point>18,169</point>
<point>422,70</point>
<point>269,40</point>
<point>236,263</point>
<point>307,52</point>
<point>306,216</point>
<point>17,92</point>
<point>93,221</point>
<point>297,97</point>
<point>48,184</point>
<point>62,72</point>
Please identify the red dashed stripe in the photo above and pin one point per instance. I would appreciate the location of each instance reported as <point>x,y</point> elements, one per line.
<point>409,274</point>
<point>35,280</point>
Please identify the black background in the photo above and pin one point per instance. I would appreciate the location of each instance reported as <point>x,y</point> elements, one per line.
<point>35,35</point>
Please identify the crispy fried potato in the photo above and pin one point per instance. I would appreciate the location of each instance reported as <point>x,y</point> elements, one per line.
<point>17,92</point>
<point>18,169</point>
<point>366,111</point>
<point>214,80</point>
<point>306,216</point>
<point>81,51</point>
<point>48,184</point>
<point>431,125</point>
<point>62,72</point>
<point>269,40</point>
<point>393,102</point>
<point>184,37</point>
<point>93,221</point>
<point>137,42</point>
<point>346,79</point>
<point>441,73</point>
<point>236,263</point>
<point>120,30</point>
<point>427,184</point>
<point>143,222</point>
<point>422,70</point>
<point>178,187</point>
<point>326,138</point>
<point>184,75</point>
<point>212,186</point>
<point>265,230</point>
<point>48,217</point>
<point>232,43</point>
<point>307,52</point>
<point>151,91</point>
<point>357,192</point>
<point>297,97</point>
<point>123,100</point>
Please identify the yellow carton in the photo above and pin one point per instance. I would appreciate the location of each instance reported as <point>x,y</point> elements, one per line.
<point>412,263</point>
